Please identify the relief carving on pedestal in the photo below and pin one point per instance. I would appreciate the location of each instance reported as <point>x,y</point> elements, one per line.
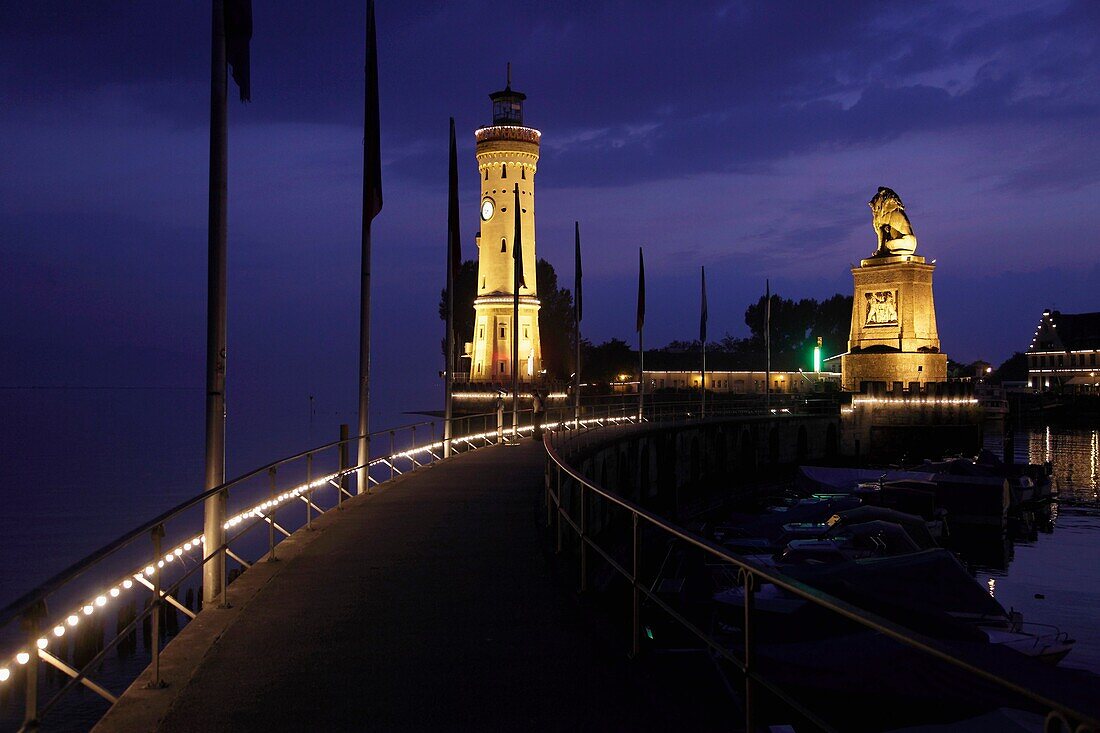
<point>882,308</point>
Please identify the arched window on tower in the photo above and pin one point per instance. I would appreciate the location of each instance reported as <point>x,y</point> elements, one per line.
<point>523,173</point>
<point>486,174</point>
<point>504,171</point>
<point>503,244</point>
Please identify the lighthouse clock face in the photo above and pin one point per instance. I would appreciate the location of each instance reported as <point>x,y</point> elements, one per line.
<point>486,209</point>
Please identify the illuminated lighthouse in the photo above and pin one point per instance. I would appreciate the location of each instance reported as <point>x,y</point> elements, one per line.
<point>507,154</point>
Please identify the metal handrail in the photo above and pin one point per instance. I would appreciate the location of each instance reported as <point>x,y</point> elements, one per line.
<point>14,609</point>
<point>30,608</point>
<point>749,570</point>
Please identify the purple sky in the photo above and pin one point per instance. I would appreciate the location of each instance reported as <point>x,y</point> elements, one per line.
<point>746,137</point>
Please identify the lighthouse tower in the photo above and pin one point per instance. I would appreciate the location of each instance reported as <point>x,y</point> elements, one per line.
<point>507,154</point>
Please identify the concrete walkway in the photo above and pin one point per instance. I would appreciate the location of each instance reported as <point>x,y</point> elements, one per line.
<point>428,605</point>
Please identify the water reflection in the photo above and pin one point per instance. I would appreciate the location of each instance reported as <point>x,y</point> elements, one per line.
<point>1046,563</point>
<point>1075,455</point>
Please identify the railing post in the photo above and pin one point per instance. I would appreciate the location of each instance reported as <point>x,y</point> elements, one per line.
<point>546,483</point>
<point>584,539</point>
<point>431,454</point>
<point>362,484</point>
<point>448,430</point>
<point>32,621</point>
<point>749,654</point>
<point>392,451</point>
<point>636,637</point>
<point>309,491</point>
<point>500,423</point>
<point>271,515</point>
<point>515,419</point>
<point>344,465</point>
<point>557,513</point>
<point>157,534</point>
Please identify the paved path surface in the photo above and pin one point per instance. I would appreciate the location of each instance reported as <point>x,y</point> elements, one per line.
<point>426,606</point>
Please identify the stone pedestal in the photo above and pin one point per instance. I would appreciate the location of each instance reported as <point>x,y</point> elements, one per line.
<point>893,336</point>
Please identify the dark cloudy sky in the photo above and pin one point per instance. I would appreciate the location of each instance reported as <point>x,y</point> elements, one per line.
<point>743,136</point>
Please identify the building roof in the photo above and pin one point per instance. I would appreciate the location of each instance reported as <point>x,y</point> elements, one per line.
<point>1059,331</point>
<point>508,93</point>
<point>717,361</point>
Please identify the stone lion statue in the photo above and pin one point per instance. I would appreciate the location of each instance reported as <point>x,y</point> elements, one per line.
<point>892,227</point>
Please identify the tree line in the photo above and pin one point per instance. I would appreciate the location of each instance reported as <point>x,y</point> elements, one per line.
<point>795,328</point>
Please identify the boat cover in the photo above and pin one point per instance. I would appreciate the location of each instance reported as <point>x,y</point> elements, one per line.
<point>920,590</point>
<point>914,526</point>
<point>846,479</point>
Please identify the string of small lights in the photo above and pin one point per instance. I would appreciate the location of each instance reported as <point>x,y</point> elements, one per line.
<point>100,601</point>
<point>259,511</point>
<point>915,401</point>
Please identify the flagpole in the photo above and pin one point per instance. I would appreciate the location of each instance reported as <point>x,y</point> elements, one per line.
<point>703,342</point>
<point>452,234</point>
<point>449,362</point>
<point>213,572</point>
<point>767,343</point>
<point>363,474</point>
<point>577,314</point>
<point>372,204</point>
<point>641,328</point>
<point>641,375</point>
<point>517,265</point>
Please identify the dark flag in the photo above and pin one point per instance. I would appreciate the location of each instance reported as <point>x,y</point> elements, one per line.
<point>372,205</point>
<point>238,32</point>
<point>454,239</point>
<point>517,247</point>
<point>577,309</point>
<point>641,291</point>
<point>372,147</point>
<point>703,313</point>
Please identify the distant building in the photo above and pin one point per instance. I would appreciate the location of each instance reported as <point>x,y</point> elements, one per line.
<point>1064,353</point>
<point>980,369</point>
<point>727,373</point>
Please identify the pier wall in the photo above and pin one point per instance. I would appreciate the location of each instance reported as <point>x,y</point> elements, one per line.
<point>926,421</point>
<point>673,468</point>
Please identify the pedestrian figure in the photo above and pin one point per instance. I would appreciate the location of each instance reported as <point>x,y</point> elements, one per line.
<point>537,410</point>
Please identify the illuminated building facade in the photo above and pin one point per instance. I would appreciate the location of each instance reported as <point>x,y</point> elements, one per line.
<point>507,154</point>
<point>739,381</point>
<point>1065,353</point>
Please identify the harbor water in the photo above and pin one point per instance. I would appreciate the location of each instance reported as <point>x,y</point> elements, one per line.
<point>1048,564</point>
